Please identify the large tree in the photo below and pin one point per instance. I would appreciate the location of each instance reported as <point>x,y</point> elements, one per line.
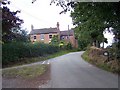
<point>10,22</point>
<point>93,18</point>
<point>89,23</point>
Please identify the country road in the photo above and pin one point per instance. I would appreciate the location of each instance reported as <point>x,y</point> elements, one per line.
<point>71,71</point>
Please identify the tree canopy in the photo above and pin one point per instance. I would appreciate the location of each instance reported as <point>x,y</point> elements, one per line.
<point>10,22</point>
<point>92,18</point>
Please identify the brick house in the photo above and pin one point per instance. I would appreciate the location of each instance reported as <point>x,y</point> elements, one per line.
<point>45,35</point>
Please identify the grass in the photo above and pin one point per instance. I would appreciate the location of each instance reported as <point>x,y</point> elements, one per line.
<point>85,56</point>
<point>31,71</point>
<point>58,54</point>
<point>102,66</point>
<point>25,72</point>
<point>37,59</point>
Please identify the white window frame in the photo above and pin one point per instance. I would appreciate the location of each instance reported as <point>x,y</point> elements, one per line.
<point>42,37</point>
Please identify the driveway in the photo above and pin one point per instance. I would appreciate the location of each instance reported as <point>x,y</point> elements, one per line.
<point>71,71</point>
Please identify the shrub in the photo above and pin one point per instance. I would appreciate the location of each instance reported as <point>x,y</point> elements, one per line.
<point>68,46</point>
<point>13,52</point>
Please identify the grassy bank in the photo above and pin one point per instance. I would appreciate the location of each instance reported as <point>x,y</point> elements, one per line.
<point>25,72</point>
<point>102,66</point>
<point>96,58</point>
<point>37,59</point>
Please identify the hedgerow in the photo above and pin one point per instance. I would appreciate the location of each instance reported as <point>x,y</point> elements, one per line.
<point>13,52</point>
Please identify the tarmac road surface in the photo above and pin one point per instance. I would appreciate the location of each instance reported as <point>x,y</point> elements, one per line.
<point>71,71</point>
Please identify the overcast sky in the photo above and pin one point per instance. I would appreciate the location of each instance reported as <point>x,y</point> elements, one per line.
<point>41,14</point>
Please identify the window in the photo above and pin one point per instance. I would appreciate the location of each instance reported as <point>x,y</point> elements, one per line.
<point>67,37</point>
<point>50,36</point>
<point>34,37</point>
<point>42,36</point>
<point>63,37</point>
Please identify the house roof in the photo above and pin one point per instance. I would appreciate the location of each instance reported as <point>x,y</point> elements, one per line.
<point>66,32</point>
<point>51,30</point>
<point>44,30</point>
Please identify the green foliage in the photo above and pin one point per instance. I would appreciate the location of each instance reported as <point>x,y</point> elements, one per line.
<point>85,56</point>
<point>61,52</point>
<point>65,46</point>
<point>82,44</point>
<point>10,22</point>
<point>55,40</point>
<point>20,35</point>
<point>62,44</point>
<point>114,52</point>
<point>13,52</point>
<point>88,25</point>
<point>68,46</point>
<point>91,19</point>
<point>36,59</point>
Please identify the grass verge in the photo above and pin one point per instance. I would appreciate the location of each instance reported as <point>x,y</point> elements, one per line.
<point>103,66</point>
<point>85,56</point>
<point>37,59</point>
<point>58,54</point>
<point>25,72</point>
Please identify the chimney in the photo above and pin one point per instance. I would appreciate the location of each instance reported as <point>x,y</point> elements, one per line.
<point>68,34</point>
<point>58,31</point>
<point>58,26</point>
<point>32,27</point>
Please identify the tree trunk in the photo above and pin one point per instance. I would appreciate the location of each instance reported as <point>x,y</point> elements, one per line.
<point>97,44</point>
<point>103,45</point>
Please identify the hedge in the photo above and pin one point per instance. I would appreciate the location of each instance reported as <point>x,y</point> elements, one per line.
<point>12,52</point>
